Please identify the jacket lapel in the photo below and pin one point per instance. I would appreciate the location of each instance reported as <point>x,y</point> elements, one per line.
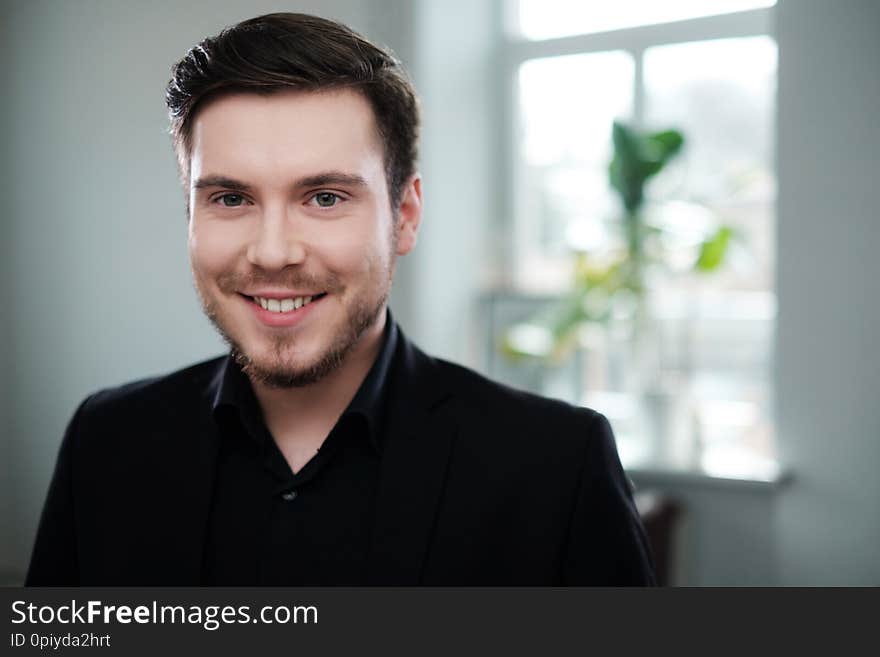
<point>416,449</point>
<point>189,484</point>
<point>197,505</point>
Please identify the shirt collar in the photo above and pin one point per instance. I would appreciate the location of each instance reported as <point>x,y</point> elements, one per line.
<point>233,391</point>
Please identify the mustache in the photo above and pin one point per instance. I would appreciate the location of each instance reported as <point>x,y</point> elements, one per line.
<point>234,281</point>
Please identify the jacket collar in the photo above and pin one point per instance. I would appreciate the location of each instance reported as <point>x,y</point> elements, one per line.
<point>232,392</point>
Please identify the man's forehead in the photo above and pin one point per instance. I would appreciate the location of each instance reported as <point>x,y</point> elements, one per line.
<point>287,129</point>
<point>336,109</point>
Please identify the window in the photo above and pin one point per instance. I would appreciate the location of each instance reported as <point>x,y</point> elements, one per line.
<point>707,69</point>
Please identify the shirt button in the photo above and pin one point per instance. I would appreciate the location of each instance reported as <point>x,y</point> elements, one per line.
<point>289,496</point>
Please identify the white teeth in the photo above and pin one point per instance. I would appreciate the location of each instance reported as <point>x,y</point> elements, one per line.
<point>282,305</point>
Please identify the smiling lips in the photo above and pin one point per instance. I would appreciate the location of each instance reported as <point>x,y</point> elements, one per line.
<point>287,311</point>
<point>284,305</point>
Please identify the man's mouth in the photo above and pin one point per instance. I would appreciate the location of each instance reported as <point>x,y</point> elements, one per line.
<point>276,305</point>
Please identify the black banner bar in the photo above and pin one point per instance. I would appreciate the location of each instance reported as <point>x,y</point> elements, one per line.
<point>413,621</point>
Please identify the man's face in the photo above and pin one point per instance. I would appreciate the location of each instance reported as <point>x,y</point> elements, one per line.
<point>289,204</point>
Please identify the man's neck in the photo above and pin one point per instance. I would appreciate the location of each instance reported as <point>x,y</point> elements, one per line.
<point>313,409</point>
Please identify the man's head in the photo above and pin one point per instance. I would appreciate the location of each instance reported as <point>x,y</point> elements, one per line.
<point>286,51</point>
<point>297,142</point>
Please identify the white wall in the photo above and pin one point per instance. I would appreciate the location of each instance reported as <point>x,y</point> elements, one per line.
<point>452,69</point>
<point>828,367</point>
<point>7,503</point>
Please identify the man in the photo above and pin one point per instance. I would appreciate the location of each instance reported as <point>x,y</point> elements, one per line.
<point>325,449</point>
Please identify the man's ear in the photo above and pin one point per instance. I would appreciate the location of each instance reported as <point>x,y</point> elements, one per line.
<point>409,215</point>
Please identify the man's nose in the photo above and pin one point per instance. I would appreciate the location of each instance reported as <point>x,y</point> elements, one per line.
<point>277,242</point>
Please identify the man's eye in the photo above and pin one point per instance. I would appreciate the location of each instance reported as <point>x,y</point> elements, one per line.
<point>231,200</point>
<point>326,199</point>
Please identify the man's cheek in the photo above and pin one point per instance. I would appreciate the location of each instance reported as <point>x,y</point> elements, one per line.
<point>214,251</point>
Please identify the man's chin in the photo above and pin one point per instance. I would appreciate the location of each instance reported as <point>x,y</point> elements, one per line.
<point>279,372</point>
<point>276,374</point>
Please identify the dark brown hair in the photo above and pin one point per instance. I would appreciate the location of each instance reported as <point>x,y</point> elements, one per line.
<point>282,51</point>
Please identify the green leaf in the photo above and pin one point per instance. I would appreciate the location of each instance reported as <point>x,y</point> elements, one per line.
<point>648,168</point>
<point>713,250</point>
<point>638,157</point>
<point>624,171</point>
<point>666,143</point>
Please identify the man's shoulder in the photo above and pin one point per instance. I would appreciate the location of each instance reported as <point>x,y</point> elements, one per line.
<point>181,389</point>
<point>498,402</point>
<point>524,431</point>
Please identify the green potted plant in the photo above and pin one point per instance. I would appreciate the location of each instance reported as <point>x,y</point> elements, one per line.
<point>614,285</point>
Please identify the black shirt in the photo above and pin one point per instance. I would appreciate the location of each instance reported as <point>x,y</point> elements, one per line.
<point>269,526</point>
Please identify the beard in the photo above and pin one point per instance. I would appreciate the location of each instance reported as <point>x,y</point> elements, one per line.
<point>276,371</point>
<point>359,317</point>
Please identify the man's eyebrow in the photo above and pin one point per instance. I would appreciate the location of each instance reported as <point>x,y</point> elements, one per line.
<point>221,181</point>
<point>331,178</point>
<point>317,180</point>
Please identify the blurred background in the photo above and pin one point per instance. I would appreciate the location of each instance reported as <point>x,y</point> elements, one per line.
<point>704,273</point>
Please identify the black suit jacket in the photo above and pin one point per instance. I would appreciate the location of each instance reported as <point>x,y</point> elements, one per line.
<point>480,484</point>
